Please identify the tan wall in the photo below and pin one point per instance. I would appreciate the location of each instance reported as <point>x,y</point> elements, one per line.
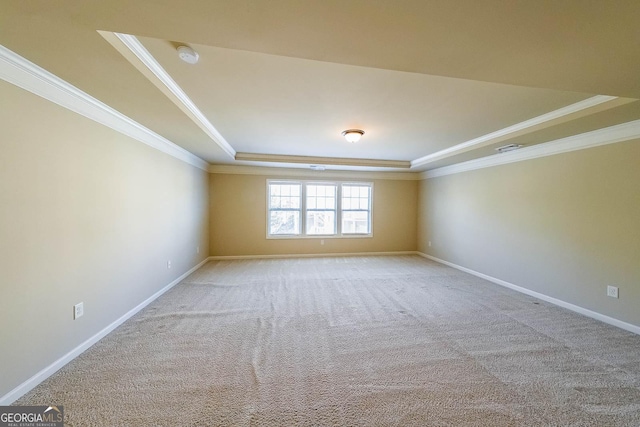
<point>566,225</point>
<point>86,214</point>
<point>238,219</point>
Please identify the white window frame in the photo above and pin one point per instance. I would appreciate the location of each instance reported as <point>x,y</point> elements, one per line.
<point>303,210</point>
<point>307,209</point>
<point>300,210</point>
<point>368,209</point>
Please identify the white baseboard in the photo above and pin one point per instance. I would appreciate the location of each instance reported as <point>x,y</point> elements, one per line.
<point>45,373</point>
<point>589,313</point>
<point>280,256</point>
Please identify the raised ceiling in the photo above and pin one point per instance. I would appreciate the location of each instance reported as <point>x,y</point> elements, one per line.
<point>432,83</point>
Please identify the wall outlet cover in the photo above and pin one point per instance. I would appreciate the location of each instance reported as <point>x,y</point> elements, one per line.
<point>78,310</point>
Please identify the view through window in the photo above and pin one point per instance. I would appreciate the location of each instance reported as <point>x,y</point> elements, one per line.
<point>309,208</point>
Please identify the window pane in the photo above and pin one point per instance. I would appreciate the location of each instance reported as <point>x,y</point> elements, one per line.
<point>284,196</point>
<point>294,202</point>
<point>321,197</point>
<point>284,222</point>
<point>355,222</point>
<point>321,222</point>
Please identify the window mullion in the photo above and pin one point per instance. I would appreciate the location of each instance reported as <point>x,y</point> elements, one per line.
<point>339,209</point>
<point>303,208</point>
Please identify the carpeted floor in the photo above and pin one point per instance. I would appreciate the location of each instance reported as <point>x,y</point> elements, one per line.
<point>362,341</point>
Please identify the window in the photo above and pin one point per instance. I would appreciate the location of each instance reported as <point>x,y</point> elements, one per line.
<point>321,209</point>
<point>356,209</point>
<point>284,209</point>
<point>318,209</point>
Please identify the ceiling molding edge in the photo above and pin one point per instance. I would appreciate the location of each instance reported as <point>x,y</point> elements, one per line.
<point>329,161</point>
<point>134,45</point>
<point>300,172</point>
<point>536,123</point>
<point>609,135</point>
<point>25,74</point>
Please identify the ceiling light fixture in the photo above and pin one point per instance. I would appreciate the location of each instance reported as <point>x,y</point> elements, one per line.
<point>188,55</point>
<point>352,135</point>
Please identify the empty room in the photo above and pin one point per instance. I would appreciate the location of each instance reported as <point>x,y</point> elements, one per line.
<point>320,213</point>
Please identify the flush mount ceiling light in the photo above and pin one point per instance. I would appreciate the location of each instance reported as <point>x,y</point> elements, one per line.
<point>188,55</point>
<point>352,135</point>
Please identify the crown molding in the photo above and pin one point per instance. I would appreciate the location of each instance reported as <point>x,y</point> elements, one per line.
<point>307,173</point>
<point>185,103</point>
<point>570,112</point>
<point>30,77</point>
<point>609,135</point>
<point>333,161</point>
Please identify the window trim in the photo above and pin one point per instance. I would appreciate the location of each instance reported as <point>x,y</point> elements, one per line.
<point>301,224</point>
<point>369,209</point>
<point>303,210</point>
<point>336,226</point>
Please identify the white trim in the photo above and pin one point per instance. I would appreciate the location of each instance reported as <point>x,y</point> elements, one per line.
<point>321,255</point>
<point>308,173</point>
<point>604,136</point>
<point>315,160</point>
<point>29,76</point>
<point>134,45</point>
<point>536,123</point>
<point>589,313</point>
<point>45,373</point>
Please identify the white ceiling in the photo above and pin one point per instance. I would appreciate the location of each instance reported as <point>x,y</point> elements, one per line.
<point>430,82</point>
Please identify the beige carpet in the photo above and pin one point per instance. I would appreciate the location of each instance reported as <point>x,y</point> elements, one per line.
<point>366,341</point>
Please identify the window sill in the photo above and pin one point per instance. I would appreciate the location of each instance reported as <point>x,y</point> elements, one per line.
<point>320,236</point>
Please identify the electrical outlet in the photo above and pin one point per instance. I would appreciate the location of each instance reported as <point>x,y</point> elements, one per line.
<point>198,250</point>
<point>169,265</point>
<point>78,310</point>
<point>322,241</point>
<point>612,291</point>
<point>429,243</point>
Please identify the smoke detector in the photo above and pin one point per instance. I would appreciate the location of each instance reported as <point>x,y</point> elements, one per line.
<point>188,55</point>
